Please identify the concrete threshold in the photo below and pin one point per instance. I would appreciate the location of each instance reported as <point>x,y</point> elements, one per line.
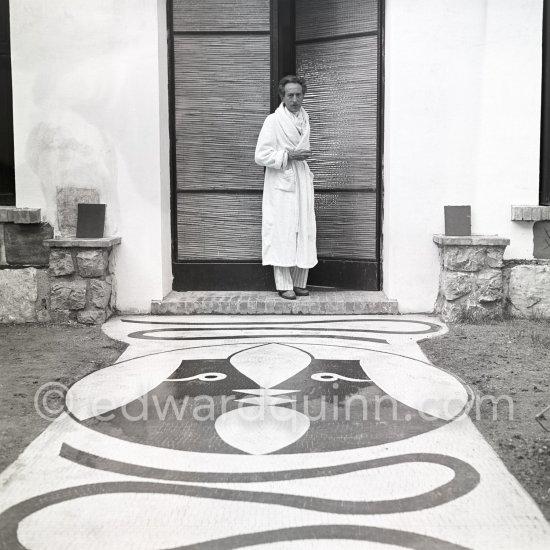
<point>320,301</point>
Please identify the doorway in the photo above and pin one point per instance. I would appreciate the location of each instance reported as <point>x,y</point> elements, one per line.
<point>226,61</point>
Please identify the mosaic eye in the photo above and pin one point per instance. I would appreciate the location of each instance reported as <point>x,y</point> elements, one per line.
<point>204,377</point>
<point>333,377</point>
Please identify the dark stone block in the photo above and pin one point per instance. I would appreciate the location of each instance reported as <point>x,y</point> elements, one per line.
<point>61,262</point>
<point>90,221</point>
<point>100,293</point>
<point>24,243</point>
<point>68,295</point>
<point>458,220</point>
<point>91,317</point>
<point>92,262</point>
<point>541,240</point>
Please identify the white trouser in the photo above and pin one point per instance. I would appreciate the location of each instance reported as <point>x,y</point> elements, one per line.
<point>288,277</point>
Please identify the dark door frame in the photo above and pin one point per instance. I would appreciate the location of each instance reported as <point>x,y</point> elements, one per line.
<point>283,52</point>
<point>239,275</point>
<point>545,109</point>
<point>7,171</point>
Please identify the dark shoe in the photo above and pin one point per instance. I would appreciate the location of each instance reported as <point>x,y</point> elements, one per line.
<point>287,294</point>
<point>301,291</point>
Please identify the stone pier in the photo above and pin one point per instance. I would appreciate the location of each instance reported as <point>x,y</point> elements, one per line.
<point>471,282</point>
<point>81,279</point>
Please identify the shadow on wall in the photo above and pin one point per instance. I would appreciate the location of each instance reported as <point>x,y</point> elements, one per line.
<point>75,163</point>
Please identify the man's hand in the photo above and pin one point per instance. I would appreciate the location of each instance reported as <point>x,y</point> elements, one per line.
<point>299,154</point>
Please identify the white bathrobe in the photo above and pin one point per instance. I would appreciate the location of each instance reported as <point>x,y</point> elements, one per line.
<point>288,216</point>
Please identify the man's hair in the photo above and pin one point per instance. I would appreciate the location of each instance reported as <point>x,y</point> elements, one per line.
<point>291,79</point>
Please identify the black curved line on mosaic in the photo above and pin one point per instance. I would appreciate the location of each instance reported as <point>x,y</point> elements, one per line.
<point>432,327</point>
<point>261,345</point>
<point>12,517</point>
<point>404,539</point>
<point>465,479</point>
<point>140,335</point>
<point>229,329</point>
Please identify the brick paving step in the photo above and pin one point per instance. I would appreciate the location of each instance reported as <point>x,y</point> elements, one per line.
<point>320,301</point>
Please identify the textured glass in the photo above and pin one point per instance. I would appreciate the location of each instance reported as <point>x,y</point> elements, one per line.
<point>221,15</point>
<point>216,226</point>
<point>346,225</point>
<point>341,101</point>
<point>328,18</point>
<point>222,94</point>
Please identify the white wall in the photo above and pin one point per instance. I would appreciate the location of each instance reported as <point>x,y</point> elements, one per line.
<point>91,110</point>
<point>462,126</point>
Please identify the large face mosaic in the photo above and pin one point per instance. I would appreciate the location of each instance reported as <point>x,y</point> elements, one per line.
<point>274,398</point>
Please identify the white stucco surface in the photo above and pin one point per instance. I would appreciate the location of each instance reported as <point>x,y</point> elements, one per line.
<point>90,110</point>
<point>462,126</point>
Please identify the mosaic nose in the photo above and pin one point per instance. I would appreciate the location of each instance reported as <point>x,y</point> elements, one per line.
<point>271,364</point>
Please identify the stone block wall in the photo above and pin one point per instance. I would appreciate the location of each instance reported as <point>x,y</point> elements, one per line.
<point>24,295</point>
<point>81,280</point>
<point>43,279</point>
<point>527,282</point>
<point>24,283</point>
<point>471,284</point>
<point>527,288</point>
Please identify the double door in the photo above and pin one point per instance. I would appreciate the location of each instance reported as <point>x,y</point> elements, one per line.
<point>227,57</point>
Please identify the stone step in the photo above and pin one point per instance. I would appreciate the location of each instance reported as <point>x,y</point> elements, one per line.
<point>320,301</point>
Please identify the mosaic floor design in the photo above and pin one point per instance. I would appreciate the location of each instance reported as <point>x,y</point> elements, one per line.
<point>218,432</point>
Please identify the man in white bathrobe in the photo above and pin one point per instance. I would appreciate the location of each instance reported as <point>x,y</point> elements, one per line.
<point>288,216</point>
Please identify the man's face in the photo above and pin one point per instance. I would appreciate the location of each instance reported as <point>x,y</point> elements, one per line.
<point>293,97</point>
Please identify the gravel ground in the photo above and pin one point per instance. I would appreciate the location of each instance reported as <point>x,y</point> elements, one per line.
<point>509,361</point>
<point>33,355</point>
